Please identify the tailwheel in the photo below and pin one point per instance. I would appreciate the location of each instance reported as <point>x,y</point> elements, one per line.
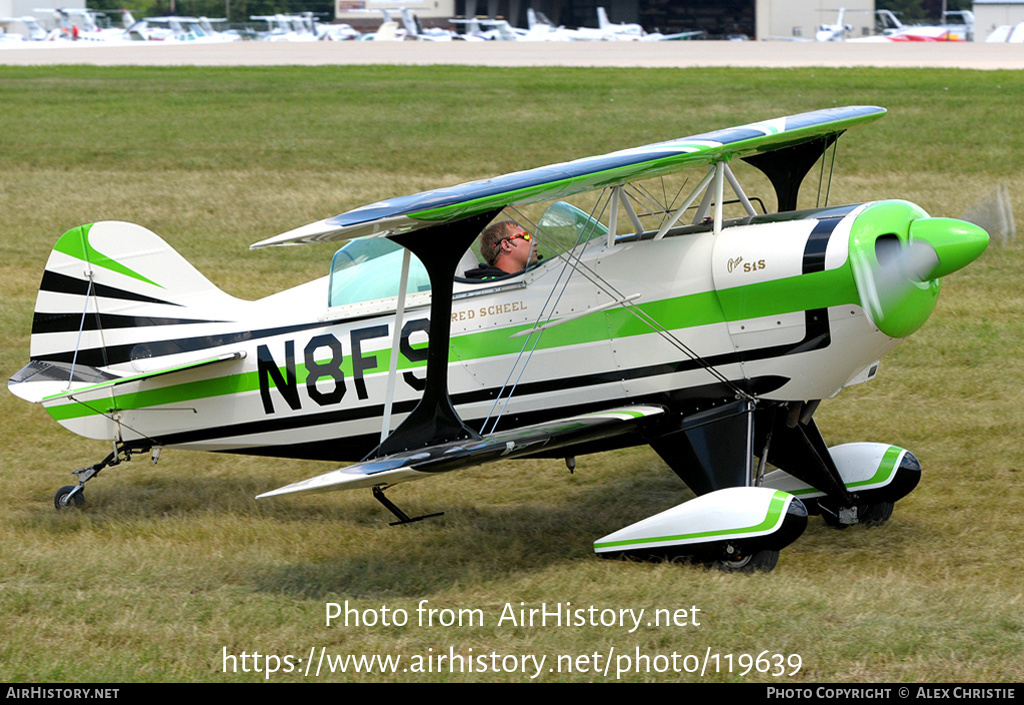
<point>763,561</point>
<point>74,495</point>
<point>69,496</point>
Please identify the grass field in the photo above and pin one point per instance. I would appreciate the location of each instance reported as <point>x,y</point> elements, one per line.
<point>170,568</point>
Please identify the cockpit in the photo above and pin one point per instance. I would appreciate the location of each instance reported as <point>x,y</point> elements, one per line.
<point>368,269</point>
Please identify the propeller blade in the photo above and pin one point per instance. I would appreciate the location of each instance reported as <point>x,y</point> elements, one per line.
<point>897,270</point>
<point>900,274</point>
<point>994,212</point>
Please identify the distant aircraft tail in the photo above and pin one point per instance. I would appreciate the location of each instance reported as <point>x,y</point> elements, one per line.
<point>114,294</point>
<point>411,22</point>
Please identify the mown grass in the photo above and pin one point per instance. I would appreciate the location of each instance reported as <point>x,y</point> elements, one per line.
<point>169,565</point>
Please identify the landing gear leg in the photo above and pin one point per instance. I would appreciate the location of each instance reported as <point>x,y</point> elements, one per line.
<point>869,515</point>
<point>801,451</point>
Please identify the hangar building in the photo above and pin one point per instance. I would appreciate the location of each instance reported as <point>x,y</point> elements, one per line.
<point>989,14</point>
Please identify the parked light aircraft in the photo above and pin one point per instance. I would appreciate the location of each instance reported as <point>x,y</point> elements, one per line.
<point>626,32</point>
<point>286,28</point>
<point>1006,33</point>
<point>24,29</point>
<point>302,27</point>
<point>388,31</point>
<point>415,30</point>
<point>177,29</point>
<point>83,26</point>
<point>657,319</point>
<point>540,29</point>
<point>833,32</point>
<point>949,31</point>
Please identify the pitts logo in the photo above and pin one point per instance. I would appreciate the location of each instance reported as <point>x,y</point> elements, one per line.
<point>737,264</point>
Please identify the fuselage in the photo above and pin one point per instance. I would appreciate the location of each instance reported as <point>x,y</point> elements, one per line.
<point>770,305</point>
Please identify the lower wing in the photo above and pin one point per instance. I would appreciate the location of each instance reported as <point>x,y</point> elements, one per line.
<point>445,457</point>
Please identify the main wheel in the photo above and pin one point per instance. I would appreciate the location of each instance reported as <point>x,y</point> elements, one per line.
<point>760,561</point>
<point>875,514</point>
<point>64,499</point>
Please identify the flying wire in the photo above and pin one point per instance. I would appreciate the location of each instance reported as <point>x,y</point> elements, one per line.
<point>667,335</point>
<point>652,323</point>
<point>831,170</point>
<point>81,327</point>
<point>110,416</point>
<point>573,260</point>
<point>545,307</point>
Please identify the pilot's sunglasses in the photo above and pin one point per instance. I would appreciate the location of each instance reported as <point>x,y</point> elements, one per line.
<point>524,235</point>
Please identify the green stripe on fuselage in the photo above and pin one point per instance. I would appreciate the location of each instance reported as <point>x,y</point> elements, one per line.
<point>804,292</point>
<point>216,387</point>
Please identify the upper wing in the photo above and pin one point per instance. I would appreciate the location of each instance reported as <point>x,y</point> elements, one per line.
<point>408,213</point>
<point>445,457</point>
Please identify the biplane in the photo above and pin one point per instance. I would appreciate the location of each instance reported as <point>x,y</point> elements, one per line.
<point>695,321</point>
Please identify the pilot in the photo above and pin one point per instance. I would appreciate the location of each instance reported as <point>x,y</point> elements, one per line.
<point>507,248</point>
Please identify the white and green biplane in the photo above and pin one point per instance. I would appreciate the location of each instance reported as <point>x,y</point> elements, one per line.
<point>689,319</point>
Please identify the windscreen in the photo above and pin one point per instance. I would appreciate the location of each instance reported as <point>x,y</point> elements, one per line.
<point>371,268</point>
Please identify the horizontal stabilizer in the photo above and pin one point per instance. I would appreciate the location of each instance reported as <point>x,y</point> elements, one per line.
<point>445,457</point>
<point>208,360</point>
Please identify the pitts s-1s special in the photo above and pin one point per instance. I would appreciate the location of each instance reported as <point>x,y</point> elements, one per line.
<point>689,319</point>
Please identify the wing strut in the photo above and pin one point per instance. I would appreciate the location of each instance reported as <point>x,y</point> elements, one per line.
<point>396,339</point>
<point>787,167</point>
<point>719,173</point>
<point>434,420</point>
<point>667,225</point>
<point>638,227</point>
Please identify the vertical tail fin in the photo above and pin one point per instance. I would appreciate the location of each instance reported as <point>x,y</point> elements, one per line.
<point>112,290</point>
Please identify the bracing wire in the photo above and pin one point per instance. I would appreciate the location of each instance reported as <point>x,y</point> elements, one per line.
<point>831,170</point>
<point>81,327</point>
<point>573,263</point>
<point>583,235</point>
